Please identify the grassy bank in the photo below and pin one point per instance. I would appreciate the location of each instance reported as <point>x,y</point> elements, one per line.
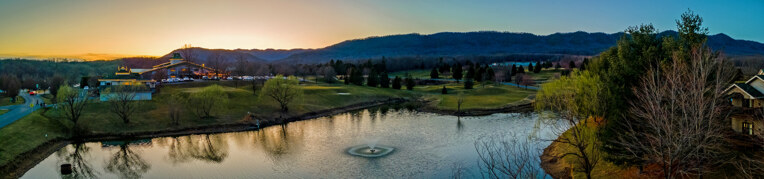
<point>5,101</point>
<point>3,111</point>
<point>29,132</point>
<point>152,116</point>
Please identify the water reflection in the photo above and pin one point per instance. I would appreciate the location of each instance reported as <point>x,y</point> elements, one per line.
<point>77,156</point>
<point>126,163</point>
<point>206,147</point>
<point>427,146</point>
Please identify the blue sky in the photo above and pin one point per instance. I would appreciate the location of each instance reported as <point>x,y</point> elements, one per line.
<point>148,27</point>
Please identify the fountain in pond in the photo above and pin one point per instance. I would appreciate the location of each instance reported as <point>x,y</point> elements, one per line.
<point>370,150</point>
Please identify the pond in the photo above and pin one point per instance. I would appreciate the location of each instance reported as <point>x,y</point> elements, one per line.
<point>426,145</point>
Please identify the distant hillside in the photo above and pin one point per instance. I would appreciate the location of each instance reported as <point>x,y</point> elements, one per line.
<point>272,54</point>
<point>456,44</point>
<point>491,43</point>
<point>203,55</point>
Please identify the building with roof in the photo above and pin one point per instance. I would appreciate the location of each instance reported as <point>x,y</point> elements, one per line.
<point>178,68</point>
<point>125,78</point>
<point>747,98</point>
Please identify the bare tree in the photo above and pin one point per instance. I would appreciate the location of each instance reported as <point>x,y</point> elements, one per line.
<point>72,102</point>
<point>676,116</point>
<point>175,104</point>
<point>188,53</point>
<point>526,80</point>
<point>218,63</point>
<point>508,157</point>
<point>127,163</point>
<point>459,102</point>
<point>123,101</point>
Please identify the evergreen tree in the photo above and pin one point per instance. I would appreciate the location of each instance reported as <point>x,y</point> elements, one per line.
<point>530,67</point>
<point>434,73</point>
<point>468,84</point>
<point>520,70</point>
<point>479,74</point>
<point>538,68</point>
<point>583,64</point>
<point>384,80</point>
<point>513,72</point>
<point>397,83</point>
<point>470,72</point>
<point>490,75</point>
<point>410,83</point>
<point>557,66</point>
<point>356,76</point>
<point>444,91</point>
<point>572,64</point>
<point>457,72</point>
<point>373,79</point>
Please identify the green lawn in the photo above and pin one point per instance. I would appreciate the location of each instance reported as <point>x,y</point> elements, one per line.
<point>5,101</point>
<point>421,74</point>
<point>153,115</point>
<point>540,77</point>
<point>28,133</point>
<point>3,111</point>
<point>488,97</point>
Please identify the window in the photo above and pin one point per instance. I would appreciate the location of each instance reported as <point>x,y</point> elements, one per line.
<point>748,128</point>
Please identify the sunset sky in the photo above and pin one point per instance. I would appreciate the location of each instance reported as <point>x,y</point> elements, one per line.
<point>155,27</point>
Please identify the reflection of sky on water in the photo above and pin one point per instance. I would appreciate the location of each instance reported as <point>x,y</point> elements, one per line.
<point>427,145</point>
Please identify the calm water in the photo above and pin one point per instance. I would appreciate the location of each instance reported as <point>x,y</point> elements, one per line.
<point>427,146</point>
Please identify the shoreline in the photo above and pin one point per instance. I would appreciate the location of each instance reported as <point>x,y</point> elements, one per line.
<point>18,167</point>
<point>27,160</point>
<point>554,166</point>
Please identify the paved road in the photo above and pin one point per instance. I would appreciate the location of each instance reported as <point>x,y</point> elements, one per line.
<point>20,110</point>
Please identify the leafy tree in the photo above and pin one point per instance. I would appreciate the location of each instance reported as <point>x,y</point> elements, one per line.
<point>457,72</point>
<point>434,73</point>
<point>575,99</point>
<point>206,101</point>
<point>11,85</point>
<point>444,91</point>
<point>282,90</point>
<point>397,83</point>
<point>468,84</point>
<point>572,64</point>
<point>410,83</point>
<point>55,83</point>
<point>384,80</point>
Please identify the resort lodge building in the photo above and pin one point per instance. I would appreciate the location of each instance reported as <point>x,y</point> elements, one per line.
<point>178,68</point>
<point>126,77</point>
<point>747,99</point>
